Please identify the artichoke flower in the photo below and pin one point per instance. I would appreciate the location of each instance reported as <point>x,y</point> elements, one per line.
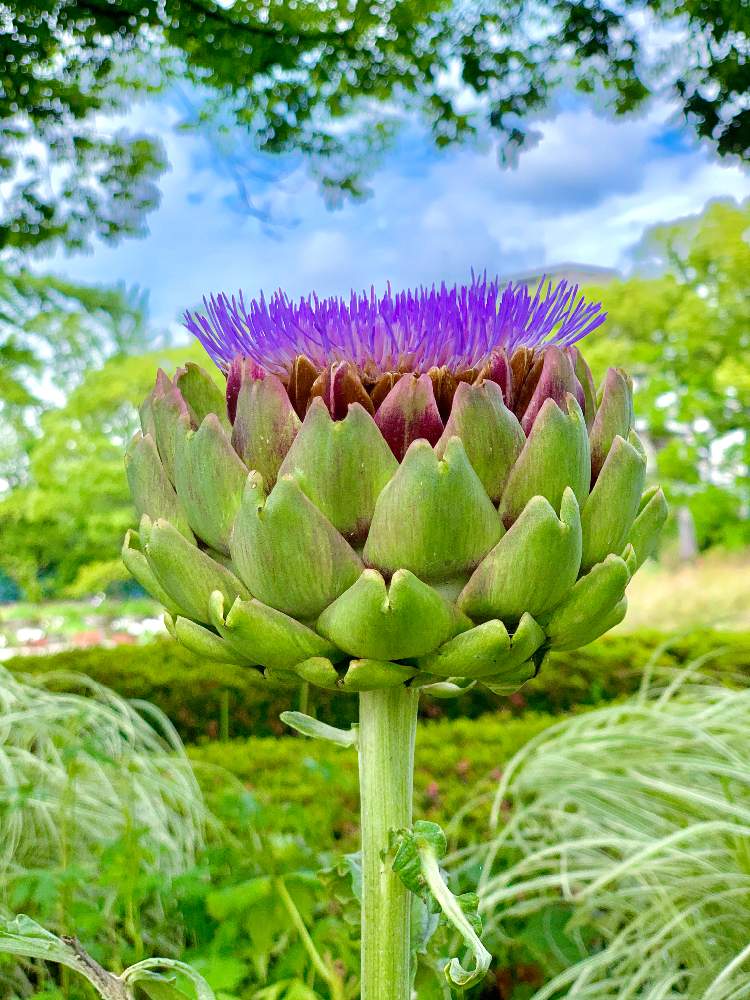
<point>423,488</point>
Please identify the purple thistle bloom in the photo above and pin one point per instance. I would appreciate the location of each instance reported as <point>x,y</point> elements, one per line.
<point>420,329</point>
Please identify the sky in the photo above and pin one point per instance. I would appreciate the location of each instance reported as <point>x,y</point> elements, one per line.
<point>583,194</point>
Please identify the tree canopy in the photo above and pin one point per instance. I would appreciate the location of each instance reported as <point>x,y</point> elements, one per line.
<point>68,516</point>
<point>328,80</point>
<point>684,334</point>
<point>52,332</point>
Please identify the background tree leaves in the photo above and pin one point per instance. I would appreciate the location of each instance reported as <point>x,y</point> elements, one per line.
<point>328,81</point>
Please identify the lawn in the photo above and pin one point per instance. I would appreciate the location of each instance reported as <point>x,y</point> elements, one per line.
<point>713,592</point>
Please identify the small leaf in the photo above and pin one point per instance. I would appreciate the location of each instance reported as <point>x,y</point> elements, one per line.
<point>144,974</point>
<point>236,900</point>
<point>318,730</point>
<point>417,863</point>
<point>25,937</point>
<point>407,863</point>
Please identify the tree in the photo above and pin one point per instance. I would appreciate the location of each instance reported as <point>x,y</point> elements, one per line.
<point>52,332</point>
<point>71,513</point>
<point>330,81</point>
<point>684,333</point>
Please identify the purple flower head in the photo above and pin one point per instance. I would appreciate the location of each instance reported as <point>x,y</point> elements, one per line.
<point>418,330</point>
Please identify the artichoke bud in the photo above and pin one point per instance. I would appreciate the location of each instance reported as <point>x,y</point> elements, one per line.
<point>516,576</point>
<point>342,466</point>
<point>201,393</point>
<point>288,553</point>
<point>555,457</point>
<point>409,413</point>
<point>490,433</point>
<point>210,478</point>
<point>421,489</point>
<point>451,522</point>
<point>264,425</point>
<point>150,488</point>
<point>186,573</point>
<point>406,619</point>
<point>614,416</point>
<point>652,514</point>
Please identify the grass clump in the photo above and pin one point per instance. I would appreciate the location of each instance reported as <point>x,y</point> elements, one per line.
<point>618,850</point>
<point>100,813</point>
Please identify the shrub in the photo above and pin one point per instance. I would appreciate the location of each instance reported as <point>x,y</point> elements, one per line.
<point>195,694</point>
<point>312,786</point>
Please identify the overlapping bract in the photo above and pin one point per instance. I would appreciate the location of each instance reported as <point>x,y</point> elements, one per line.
<point>440,529</point>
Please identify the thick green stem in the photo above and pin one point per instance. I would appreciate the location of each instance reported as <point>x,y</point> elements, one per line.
<point>387,728</point>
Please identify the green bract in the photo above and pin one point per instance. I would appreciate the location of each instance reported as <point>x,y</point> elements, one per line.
<point>437,530</point>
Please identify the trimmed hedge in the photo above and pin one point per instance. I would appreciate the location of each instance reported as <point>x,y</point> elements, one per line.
<point>194,694</point>
<point>311,785</point>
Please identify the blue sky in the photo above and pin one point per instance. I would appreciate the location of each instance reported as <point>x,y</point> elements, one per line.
<point>584,193</point>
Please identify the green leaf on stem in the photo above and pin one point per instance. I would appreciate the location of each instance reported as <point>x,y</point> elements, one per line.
<point>24,937</point>
<point>417,862</point>
<point>318,730</point>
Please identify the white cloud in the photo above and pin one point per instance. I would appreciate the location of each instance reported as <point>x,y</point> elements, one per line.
<point>584,193</point>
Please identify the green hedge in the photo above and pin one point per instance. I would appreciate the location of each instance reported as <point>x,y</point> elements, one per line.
<point>313,786</point>
<point>193,693</point>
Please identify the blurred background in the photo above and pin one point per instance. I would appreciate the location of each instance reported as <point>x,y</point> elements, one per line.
<point>153,152</point>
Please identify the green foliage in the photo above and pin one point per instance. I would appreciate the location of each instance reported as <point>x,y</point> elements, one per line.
<point>313,785</point>
<point>616,855</point>
<point>25,938</point>
<point>418,853</point>
<point>280,803</point>
<point>684,336</point>
<point>74,506</point>
<point>191,691</point>
<point>231,908</point>
<point>51,333</point>
<point>287,74</point>
<point>100,814</point>
<point>106,837</point>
